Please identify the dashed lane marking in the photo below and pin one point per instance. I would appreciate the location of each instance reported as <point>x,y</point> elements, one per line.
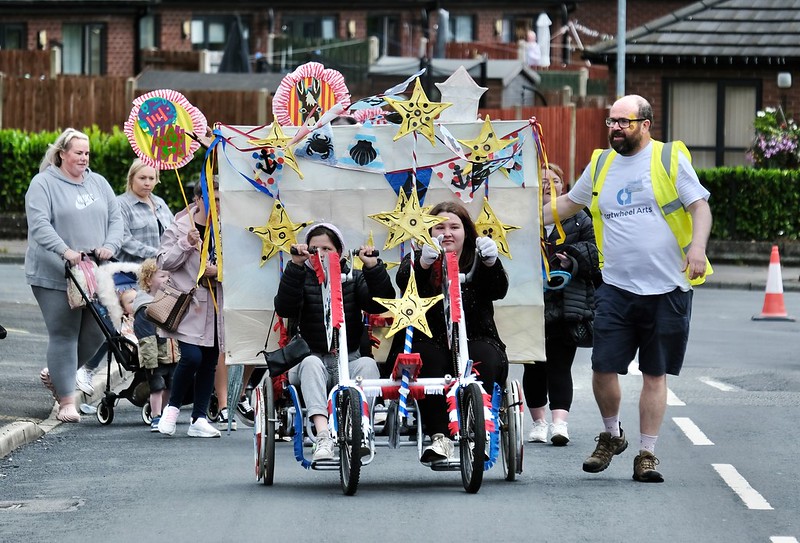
<point>695,435</point>
<point>672,399</point>
<point>718,385</point>
<point>782,539</point>
<point>751,498</point>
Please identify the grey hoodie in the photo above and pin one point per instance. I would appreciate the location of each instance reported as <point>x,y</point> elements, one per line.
<point>64,215</point>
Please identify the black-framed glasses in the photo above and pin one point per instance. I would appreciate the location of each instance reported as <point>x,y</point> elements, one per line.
<point>622,122</point>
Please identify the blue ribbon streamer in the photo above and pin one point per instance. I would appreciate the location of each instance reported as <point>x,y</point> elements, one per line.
<point>253,182</point>
<point>494,438</point>
<point>298,429</point>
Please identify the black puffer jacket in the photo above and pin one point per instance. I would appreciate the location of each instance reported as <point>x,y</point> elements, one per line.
<point>575,302</point>
<point>300,297</point>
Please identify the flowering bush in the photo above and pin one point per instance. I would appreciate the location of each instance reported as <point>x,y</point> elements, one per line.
<point>777,141</point>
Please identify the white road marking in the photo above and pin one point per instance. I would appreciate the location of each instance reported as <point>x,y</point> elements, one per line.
<point>782,539</point>
<point>695,435</point>
<point>672,399</point>
<point>751,498</point>
<point>718,385</point>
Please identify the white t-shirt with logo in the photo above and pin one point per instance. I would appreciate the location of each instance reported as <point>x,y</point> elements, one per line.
<point>640,253</point>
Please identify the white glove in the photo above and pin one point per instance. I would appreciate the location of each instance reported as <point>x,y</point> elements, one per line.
<point>430,253</point>
<point>487,249</point>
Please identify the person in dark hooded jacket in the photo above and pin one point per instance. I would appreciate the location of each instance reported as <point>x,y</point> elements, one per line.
<point>299,299</point>
<point>566,310</point>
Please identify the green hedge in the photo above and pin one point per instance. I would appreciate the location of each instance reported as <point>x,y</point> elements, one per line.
<point>748,204</point>
<point>110,155</point>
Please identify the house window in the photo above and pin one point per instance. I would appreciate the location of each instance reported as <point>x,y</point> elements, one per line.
<point>148,32</point>
<point>84,49</point>
<point>387,29</point>
<point>12,36</point>
<point>713,118</point>
<point>302,26</point>
<point>462,28</point>
<point>211,32</point>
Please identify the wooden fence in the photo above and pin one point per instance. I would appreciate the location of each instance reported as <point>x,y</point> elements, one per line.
<point>23,63</point>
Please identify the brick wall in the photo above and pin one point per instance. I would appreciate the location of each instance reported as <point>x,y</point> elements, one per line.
<point>120,44</point>
<point>601,15</point>
<point>171,31</point>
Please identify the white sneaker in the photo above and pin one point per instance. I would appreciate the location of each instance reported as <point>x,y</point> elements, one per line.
<point>323,449</point>
<point>83,380</point>
<point>169,420</point>
<point>558,434</point>
<point>538,432</point>
<point>440,449</point>
<point>202,428</point>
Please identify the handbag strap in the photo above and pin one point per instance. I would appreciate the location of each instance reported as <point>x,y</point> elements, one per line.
<point>87,268</point>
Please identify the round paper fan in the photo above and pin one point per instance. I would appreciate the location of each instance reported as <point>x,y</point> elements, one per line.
<point>307,93</point>
<point>158,129</point>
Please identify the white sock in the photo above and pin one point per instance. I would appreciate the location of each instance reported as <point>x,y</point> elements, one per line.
<point>612,425</point>
<point>647,443</point>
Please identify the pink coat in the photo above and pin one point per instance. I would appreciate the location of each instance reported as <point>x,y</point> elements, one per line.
<point>183,262</point>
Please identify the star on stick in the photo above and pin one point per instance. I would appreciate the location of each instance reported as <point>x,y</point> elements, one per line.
<point>279,234</point>
<point>483,146</point>
<point>407,221</point>
<point>418,113</point>
<point>278,140</point>
<point>488,225</point>
<point>410,309</point>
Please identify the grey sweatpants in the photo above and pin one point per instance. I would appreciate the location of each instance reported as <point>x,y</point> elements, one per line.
<point>74,336</point>
<point>315,376</point>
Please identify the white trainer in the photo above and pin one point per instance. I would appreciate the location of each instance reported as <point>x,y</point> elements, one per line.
<point>83,380</point>
<point>440,449</point>
<point>202,428</point>
<point>559,435</point>
<point>169,420</point>
<point>323,449</point>
<point>538,432</point>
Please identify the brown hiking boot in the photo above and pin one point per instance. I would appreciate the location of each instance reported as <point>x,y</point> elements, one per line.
<point>607,447</point>
<point>644,468</point>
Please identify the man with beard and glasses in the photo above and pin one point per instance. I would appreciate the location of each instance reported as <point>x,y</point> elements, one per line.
<point>652,222</point>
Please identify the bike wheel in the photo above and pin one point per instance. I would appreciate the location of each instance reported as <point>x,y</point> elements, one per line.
<point>472,444</point>
<point>105,412</point>
<point>350,437</point>
<point>511,432</point>
<point>264,431</point>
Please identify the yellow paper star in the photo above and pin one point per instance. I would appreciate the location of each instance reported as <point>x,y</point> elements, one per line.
<point>484,145</point>
<point>410,309</point>
<point>418,113</point>
<point>407,221</point>
<point>279,234</point>
<point>278,140</point>
<point>488,225</point>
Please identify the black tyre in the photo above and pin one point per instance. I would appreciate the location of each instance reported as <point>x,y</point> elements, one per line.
<point>213,408</point>
<point>472,445</point>
<point>105,412</point>
<point>511,432</point>
<point>147,415</point>
<point>264,431</point>
<point>350,436</point>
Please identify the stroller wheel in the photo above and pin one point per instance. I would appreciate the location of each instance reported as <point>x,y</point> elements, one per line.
<point>147,415</point>
<point>213,408</point>
<point>105,412</point>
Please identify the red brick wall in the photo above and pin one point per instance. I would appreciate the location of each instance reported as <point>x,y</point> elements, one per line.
<point>601,15</point>
<point>171,30</point>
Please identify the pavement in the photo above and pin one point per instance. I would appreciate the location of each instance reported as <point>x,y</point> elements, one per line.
<point>21,426</point>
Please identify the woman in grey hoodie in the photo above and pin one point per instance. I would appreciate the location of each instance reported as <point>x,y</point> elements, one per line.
<point>70,210</point>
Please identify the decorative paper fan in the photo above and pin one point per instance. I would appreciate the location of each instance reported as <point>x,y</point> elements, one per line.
<point>307,93</point>
<point>158,129</point>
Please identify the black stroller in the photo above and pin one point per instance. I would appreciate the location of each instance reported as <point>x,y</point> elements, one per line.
<point>114,275</point>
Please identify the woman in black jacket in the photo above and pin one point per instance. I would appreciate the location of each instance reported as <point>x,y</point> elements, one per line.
<point>564,310</point>
<point>299,298</point>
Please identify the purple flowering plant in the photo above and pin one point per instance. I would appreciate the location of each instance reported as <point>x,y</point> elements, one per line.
<point>777,141</point>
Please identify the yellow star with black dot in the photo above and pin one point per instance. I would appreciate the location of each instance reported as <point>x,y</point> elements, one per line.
<point>409,310</point>
<point>276,139</point>
<point>407,221</point>
<point>279,234</point>
<point>488,225</point>
<point>483,146</point>
<point>418,113</point>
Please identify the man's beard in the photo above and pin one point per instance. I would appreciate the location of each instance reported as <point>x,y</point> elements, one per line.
<point>625,146</point>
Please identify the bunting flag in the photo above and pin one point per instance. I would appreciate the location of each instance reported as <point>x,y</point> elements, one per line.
<point>363,153</point>
<point>403,181</point>
<point>278,143</point>
<point>319,146</point>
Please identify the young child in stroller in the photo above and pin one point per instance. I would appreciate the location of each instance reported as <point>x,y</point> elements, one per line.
<point>158,356</point>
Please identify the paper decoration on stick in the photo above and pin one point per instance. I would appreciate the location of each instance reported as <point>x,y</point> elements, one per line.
<point>418,113</point>
<point>279,234</point>
<point>409,310</point>
<point>306,94</point>
<point>488,225</point>
<point>160,129</point>
<point>407,221</point>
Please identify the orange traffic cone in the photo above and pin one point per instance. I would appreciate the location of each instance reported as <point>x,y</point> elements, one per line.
<point>774,308</point>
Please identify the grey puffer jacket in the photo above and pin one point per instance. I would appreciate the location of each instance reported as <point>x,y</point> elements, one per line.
<point>575,302</point>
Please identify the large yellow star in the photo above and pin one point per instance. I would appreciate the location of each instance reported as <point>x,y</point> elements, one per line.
<point>278,140</point>
<point>488,225</point>
<point>410,309</point>
<point>407,221</point>
<point>418,113</point>
<point>279,234</point>
<point>484,145</point>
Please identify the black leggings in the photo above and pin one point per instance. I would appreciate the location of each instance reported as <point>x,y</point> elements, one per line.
<point>553,378</point>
